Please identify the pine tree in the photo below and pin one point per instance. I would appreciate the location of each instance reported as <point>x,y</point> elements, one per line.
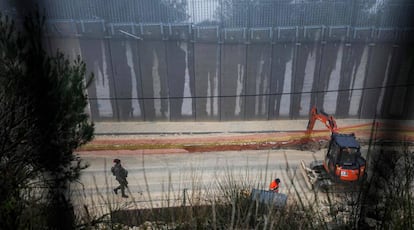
<point>43,120</point>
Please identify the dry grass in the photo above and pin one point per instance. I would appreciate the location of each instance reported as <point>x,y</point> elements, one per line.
<point>228,205</point>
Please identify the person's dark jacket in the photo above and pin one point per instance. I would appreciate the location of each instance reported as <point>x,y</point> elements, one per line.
<point>120,173</point>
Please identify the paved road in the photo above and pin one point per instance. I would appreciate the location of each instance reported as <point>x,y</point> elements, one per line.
<point>163,178</point>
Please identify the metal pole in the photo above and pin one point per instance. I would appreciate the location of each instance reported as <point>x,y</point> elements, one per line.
<point>184,196</point>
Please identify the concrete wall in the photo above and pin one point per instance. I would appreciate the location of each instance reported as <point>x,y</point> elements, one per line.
<point>189,73</point>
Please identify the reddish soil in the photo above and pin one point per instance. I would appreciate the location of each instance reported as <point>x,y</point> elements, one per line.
<point>202,144</point>
<point>238,142</point>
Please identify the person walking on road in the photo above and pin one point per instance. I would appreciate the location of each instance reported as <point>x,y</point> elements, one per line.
<point>274,185</point>
<point>120,174</point>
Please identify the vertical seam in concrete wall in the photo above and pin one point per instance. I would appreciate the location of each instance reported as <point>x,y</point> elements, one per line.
<point>381,100</point>
<point>140,78</point>
<point>292,80</point>
<point>219,79</point>
<point>166,46</point>
<point>270,94</point>
<point>395,80</point>
<point>244,97</point>
<point>107,42</point>
<point>322,47</point>
<point>192,79</point>
<point>367,68</point>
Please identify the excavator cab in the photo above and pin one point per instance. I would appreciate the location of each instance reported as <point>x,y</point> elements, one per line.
<point>343,160</point>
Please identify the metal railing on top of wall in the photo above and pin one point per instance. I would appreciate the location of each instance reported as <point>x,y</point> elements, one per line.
<point>234,13</point>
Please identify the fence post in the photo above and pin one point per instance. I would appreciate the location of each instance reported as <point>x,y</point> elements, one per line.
<point>184,197</point>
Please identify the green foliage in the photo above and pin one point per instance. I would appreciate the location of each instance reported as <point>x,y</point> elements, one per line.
<point>43,119</point>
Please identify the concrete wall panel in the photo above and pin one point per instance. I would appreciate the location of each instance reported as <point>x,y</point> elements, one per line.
<point>122,79</point>
<point>310,72</point>
<point>69,46</point>
<point>282,58</point>
<point>304,72</point>
<point>358,78</point>
<point>258,81</point>
<point>154,80</point>
<point>376,78</point>
<point>331,94</point>
<point>328,65</point>
<point>400,72</point>
<point>126,78</point>
<point>350,62</point>
<point>233,80</point>
<point>201,73</point>
<point>95,53</point>
<point>206,65</point>
<point>179,80</point>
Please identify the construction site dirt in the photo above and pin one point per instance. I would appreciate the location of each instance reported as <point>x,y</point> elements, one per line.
<point>165,143</point>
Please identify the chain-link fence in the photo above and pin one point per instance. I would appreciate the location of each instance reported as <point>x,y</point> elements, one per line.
<point>235,13</point>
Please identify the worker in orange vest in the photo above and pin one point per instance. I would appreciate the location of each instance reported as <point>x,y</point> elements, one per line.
<point>274,185</point>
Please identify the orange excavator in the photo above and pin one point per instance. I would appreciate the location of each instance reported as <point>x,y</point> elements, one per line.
<point>343,161</point>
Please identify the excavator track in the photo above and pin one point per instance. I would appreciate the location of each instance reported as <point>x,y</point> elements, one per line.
<point>318,179</point>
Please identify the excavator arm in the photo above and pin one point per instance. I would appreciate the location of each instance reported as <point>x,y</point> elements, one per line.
<point>327,120</point>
